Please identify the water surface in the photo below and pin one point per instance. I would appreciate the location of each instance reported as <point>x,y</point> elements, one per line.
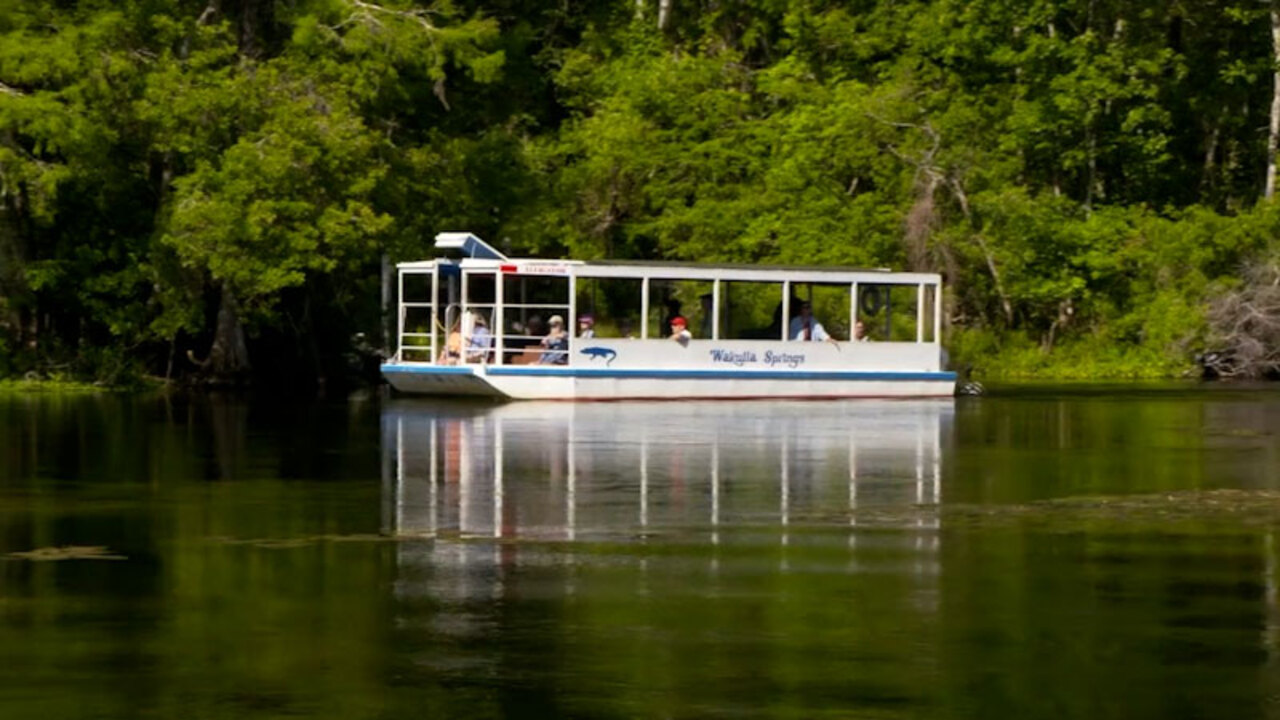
<point>1059,552</point>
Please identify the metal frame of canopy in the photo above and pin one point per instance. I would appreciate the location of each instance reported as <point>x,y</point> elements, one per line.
<point>480,260</point>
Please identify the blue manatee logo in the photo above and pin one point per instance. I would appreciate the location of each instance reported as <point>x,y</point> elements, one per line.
<point>598,352</point>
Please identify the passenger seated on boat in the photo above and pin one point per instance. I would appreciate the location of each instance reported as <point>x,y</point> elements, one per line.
<point>522,344</point>
<point>586,326</point>
<point>805,327</point>
<point>452,352</point>
<point>480,341</point>
<point>673,312</point>
<point>556,344</point>
<point>679,330</point>
<point>860,332</point>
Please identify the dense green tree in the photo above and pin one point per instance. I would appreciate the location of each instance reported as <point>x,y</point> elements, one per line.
<point>223,179</point>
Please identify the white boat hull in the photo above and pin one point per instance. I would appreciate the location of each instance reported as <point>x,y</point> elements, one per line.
<point>562,383</point>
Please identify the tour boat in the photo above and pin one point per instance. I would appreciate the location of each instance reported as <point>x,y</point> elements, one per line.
<point>476,322</point>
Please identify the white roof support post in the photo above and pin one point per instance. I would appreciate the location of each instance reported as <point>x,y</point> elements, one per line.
<point>853,310</point>
<point>498,323</point>
<point>451,299</point>
<point>399,315</point>
<point>435,311</point>
<point>715,309</point>
<point>644,308</point>
<point>571,322</point>
<point>786,309</point>
<point>463,331</point>
<point>920,313</point>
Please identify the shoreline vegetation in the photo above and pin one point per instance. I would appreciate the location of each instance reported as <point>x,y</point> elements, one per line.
<point>213,193</point>
<point>9,386</point>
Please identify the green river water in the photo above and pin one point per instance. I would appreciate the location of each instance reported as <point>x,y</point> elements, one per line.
<point>1069,552</point>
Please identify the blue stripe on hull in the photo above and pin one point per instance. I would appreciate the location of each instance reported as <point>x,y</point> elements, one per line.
<point>674,374</point>
<point>429,369</point>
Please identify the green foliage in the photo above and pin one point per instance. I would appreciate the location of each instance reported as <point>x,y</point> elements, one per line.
<point>1014,356</point>
<point>292,196</point>
<point>52,386</point>
<point>1085,174</point>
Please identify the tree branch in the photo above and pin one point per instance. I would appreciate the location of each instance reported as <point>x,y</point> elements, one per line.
<point>418,16</point>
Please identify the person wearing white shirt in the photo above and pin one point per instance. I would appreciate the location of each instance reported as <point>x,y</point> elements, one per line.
<point>805,327</point>
<point>480,342</point>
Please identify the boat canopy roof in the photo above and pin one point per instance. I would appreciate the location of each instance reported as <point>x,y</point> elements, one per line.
<point>481,257</point>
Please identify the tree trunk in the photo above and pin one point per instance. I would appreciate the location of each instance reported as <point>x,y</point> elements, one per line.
<point>1273,133</point>
<point>256,18</point>
<point>1207,178</point>
<point>664,13</point>
<point>13,285</point>
<point>920,222</point>
<point>208,15</point>
<point>1091,148</point>
<point>313,346</point>
<point>389,339</point>
<point>963,198</point>
<point>17,306</point>
<point>229,356</point>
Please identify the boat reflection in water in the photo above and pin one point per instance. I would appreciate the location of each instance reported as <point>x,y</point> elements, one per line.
<point>619,471</point>
<point>616,553</point>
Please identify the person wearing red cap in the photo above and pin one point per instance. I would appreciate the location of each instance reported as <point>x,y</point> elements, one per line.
<point>680,330</point>
<point>586,326</point>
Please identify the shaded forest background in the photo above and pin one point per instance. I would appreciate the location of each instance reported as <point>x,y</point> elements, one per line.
<point>210,188</point>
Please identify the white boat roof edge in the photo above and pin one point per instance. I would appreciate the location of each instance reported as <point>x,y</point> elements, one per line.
<point>469,244</point>
<point>480,255</point>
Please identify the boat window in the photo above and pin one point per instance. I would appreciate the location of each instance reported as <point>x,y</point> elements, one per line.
<point>830,303</point>
<point>481,289</point>
<point>888,312</point>
<point>415,344</point>
<point>750,310</point>
<point>416,287</point>
<point>529,302</point>
<point>612,303</point>
<point>479,309</point>
<point>415,317</point>
<point>690,299</point>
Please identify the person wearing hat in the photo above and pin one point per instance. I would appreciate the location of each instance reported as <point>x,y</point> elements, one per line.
<point>556,343</point>
<point>480,341</point>
<point>680,330</point>
<point>673,311</point>
<point>586,326</point>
